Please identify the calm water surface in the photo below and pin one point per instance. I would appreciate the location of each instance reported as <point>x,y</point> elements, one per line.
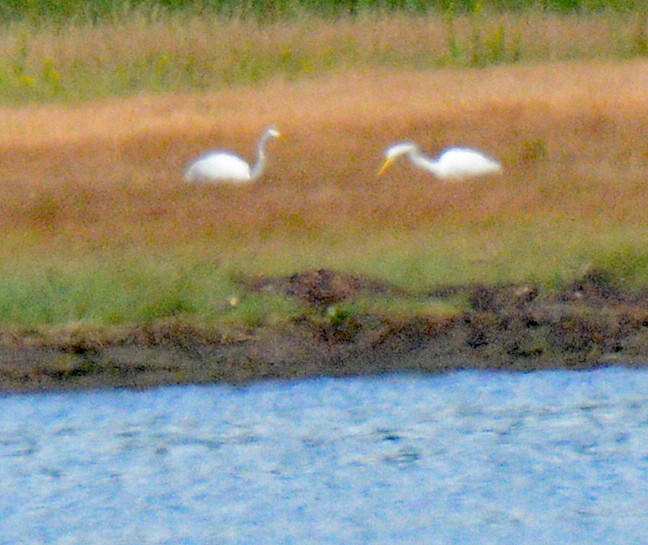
<point>483,458</point>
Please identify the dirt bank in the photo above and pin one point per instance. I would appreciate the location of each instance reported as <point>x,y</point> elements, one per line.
<point>590,324</point>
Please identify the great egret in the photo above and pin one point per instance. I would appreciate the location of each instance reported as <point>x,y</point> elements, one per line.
<point>452,164</point>
<point>226,167</point>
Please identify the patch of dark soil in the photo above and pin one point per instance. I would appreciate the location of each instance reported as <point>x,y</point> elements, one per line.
<point>321,288</point>
<point>600,287</point>
<point>591,323</point>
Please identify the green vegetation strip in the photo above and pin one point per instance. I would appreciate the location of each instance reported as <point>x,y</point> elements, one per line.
<point>97,10</point>
<point>113,291</point>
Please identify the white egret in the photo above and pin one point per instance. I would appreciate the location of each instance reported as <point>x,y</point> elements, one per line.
<point>452,164</point>
<point>226,167</point>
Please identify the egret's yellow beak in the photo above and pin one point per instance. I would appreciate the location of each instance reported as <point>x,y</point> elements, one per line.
<point>387,164</point>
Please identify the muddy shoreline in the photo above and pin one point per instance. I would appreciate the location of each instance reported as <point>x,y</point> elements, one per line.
<point>593,323</point>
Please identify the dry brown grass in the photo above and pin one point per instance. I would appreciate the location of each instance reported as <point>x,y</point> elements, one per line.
<point>107,176</point>
<point>399,36</point>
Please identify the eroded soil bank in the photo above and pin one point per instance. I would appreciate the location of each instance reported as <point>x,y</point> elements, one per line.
<point>591,323</point>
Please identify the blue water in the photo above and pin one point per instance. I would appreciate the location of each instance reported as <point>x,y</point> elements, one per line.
<point>483,458</point>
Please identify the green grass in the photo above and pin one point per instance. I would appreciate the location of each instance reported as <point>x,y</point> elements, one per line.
<point>112,292</point>
<point>191,287</point>
<point>94,11</point>
<point>550,252</point>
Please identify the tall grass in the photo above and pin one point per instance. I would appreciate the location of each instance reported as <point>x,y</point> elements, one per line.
<point>101,10</point>
<point>162,52</point>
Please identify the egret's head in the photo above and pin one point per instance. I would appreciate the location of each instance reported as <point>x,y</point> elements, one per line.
<point>394,152</point>
<point>272,132</point>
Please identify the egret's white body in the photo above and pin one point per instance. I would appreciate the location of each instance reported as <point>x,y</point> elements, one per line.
<point>227,167</point>
<point>452,164</point>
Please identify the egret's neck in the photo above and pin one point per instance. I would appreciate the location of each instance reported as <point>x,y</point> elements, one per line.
<point>260,164</point>
<point>423,162</point>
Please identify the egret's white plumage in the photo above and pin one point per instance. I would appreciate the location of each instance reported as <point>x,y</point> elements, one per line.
<point>452,164</point>
<point>226,167</point>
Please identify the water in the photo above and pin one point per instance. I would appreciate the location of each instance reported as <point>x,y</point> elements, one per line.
<point>483,458</point>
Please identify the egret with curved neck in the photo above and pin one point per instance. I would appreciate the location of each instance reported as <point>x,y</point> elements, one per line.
<point>453,164</point>
<point>227,167</point>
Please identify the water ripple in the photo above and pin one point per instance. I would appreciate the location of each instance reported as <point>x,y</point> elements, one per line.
<point>466,458</point>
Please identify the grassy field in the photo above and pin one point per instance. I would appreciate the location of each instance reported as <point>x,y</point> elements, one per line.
<point>99,228</point>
